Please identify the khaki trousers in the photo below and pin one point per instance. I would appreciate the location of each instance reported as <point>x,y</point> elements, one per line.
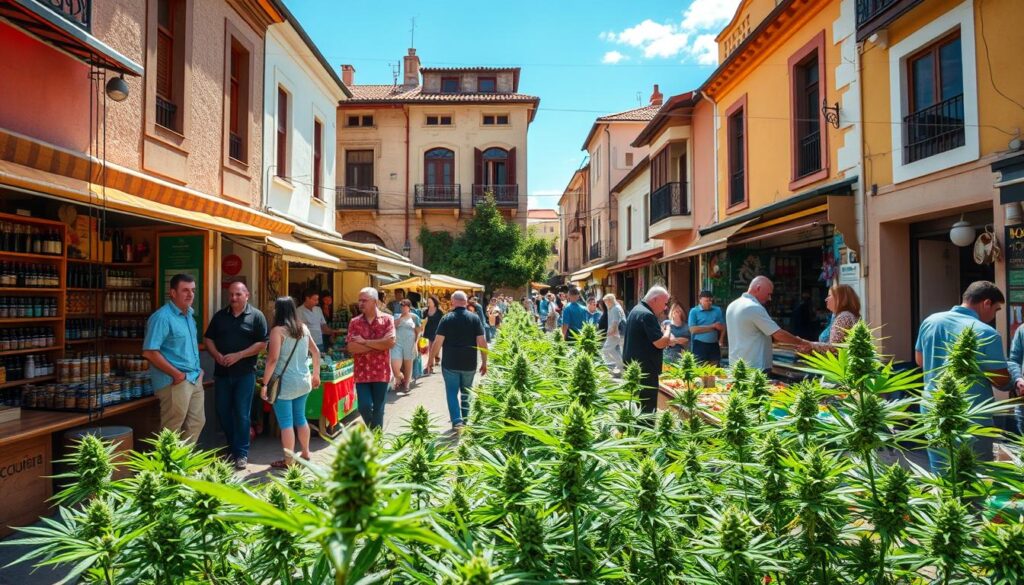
<point>182,409</point>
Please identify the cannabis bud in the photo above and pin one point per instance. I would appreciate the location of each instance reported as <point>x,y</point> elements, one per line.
<point>584,380</point>
<point>862,357</point>
<point>419,425</point>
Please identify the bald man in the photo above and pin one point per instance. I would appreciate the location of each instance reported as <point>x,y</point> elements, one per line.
<point>752,330</point>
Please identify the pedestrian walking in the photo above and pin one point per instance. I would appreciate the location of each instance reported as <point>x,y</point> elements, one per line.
<point>645,341</point>
<point>395,306</point>
<point>707,329</point>
<point>615,318</point>
<point>371,335</point>
<point>461,335</point>
<point>979,305</point>
<point>235,336</point>
<point>291,347</point>
<point>172,348</point>
<point>680,333</point>
<point>752,330</point>
<point>408,328</point>
<point>574,315</point>
<point>434,314</point>
<point>313,318</point>
<point>593,315</point>
<point>551,315</point>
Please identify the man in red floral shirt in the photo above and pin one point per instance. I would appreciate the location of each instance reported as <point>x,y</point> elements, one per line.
<point>371,336</point>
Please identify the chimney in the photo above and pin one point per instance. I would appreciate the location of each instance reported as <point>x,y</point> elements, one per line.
<point>656,97</point>
<point>348,74</point>
<point>411,67</point>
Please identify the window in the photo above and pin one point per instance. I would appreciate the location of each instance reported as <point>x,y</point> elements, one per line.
<point>646,215</point>
<point>318,153</point>
<point>238,106</point>
<point>597,166</point>
<point>365,121</point>
<point>629,159</point>
<point>282,133</point>
<point>495,119</point>
<point>737,157</point>
<point>439,167</point>
<point>439,120</point>
<point>629,227</point>
<point>359,169</point>
<point>449,85</point>
<point>170,45</point>
<point>659,169</point>
<point>487,85</point>
<point>807,107</point>
<point>495,167</point>
<point>935,121</point>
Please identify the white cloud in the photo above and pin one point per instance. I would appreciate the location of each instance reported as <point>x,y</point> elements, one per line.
<point>613,57</point>
<point>693,37</point>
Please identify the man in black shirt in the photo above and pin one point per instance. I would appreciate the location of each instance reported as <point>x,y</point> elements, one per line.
<point>645,339</point>
<point>236,335</point>
<point>461,334</point>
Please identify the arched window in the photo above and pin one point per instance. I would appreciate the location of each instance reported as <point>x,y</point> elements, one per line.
<point>364,237</point>
<point>439,167</point>
<point>495,167</point>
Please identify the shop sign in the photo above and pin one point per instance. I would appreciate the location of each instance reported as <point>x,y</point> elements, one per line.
<point>231,264</point>
<point>1014,277</point>
<point>184,254</point>
<point>24,481</point>
<point>849,274</point>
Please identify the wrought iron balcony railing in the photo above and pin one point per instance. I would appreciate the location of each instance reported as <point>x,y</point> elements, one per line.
<point>443,196</point>
<point>595,251</point>
<point>934,129</point>
<point>809,154</point>
<point>166,113</point>
<point>77,12</point>
<point>357,198</point>
<point>668,200</point>
<point>874,15</point>
<point>504,195</point>
<point>235,146</point>
<point>576,223</point>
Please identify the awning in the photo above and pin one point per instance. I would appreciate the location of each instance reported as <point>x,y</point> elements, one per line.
<point>34,181</point>
<point>636,261</point>
<point>441,281</point>
<point>298,252</point>
<point>711,242</point>
<point>68,32</point>
<point>368,261</point>
<point>597,271</point>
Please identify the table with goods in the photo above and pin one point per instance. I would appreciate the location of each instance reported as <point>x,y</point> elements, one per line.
<point>72,315</point>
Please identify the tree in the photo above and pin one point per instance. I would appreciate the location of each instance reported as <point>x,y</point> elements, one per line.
<point>492,251</point>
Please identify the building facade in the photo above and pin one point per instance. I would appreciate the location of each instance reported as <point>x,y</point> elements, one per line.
<point>546,224</point>
<point>424,153</point>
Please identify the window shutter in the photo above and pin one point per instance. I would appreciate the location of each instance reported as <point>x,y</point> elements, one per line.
<point>511,179</point>
<point>478,159</point>
<point>164,51</point>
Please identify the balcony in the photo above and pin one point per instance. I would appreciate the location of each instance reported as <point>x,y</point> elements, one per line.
<point>670,211</point>
<point>809,154</point>
<point>504,195</point>
<point>594,253</point>
<point>166,113</point>
<point>438,196</point>
<point>934,129</point>
<point>576,225</point>
<point>77,12</point>
<point>874,15</point>
<point>357,198</point>
<point>235,146</point>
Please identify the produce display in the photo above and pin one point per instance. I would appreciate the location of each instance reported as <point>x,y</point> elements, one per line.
<point>559,478</point>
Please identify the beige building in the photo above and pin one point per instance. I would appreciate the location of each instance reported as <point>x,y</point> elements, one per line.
<point>546,224</point>
<point>425,152</point>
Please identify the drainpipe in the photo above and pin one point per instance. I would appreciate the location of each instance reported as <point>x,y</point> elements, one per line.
<point>714,170</point>
<point>407,246</point>
<point>861,211</point>
<point>608,135</point>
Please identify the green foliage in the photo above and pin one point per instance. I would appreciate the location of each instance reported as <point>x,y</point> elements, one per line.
<point>490,250</point>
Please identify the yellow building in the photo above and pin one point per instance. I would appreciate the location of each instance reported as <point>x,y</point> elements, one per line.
<point>944,87</point>
<point>422,153</point>
<point>786,155</point>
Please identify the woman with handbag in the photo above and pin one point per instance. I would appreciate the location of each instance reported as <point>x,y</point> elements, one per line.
<point>287,381</point>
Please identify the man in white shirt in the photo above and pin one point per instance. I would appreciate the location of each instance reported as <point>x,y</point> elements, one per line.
<point>309,313</point>
<point>752,330</point>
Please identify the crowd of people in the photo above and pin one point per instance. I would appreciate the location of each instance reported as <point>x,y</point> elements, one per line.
<point>385,341</point>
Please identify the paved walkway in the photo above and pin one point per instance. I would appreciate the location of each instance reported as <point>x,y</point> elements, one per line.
<point>428,391</point>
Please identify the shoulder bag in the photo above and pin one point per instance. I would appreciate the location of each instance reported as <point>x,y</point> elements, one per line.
<point>274,385</point>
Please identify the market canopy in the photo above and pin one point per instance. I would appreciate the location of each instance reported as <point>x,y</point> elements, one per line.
<point>435,281</point>
<point>295,251</point>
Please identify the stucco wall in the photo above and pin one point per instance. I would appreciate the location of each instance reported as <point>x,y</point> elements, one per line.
<point>635,194</point>
<point>311,96</point>
<point>604,148</point>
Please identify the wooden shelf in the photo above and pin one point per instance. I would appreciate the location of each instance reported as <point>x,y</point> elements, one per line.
<point>30,256</point>
<point>130,288</point>
<point>82,341</point>
<point>16,320</point>
<point>96,290</point>
<point>31,350</point>
<point>14,383</point>
<point>10,289</point>
<point>146,314</point>
<point>129,264</point>
<point>135,339</point>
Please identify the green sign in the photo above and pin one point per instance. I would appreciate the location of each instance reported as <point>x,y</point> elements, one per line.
<point>183,254</point>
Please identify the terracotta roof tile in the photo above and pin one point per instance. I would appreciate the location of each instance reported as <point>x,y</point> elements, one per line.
<point>466,69</point>
<point>542,214</point>
<point>405,94</point>
<point>645,114</point>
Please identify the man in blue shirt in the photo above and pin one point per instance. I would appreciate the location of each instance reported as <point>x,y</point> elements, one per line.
<point>593,316</point>
<point>172,348</point>
<point>574,315</point>
<point>707,328</point>
<point>981,301</point>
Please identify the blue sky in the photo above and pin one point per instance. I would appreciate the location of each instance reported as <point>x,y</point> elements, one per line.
<point>583,58</point>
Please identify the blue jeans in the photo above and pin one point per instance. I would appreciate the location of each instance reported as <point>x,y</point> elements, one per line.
<point>234,405</point>
<point>458,382</point>
<point>291,413</point>
<point>372,396</point>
